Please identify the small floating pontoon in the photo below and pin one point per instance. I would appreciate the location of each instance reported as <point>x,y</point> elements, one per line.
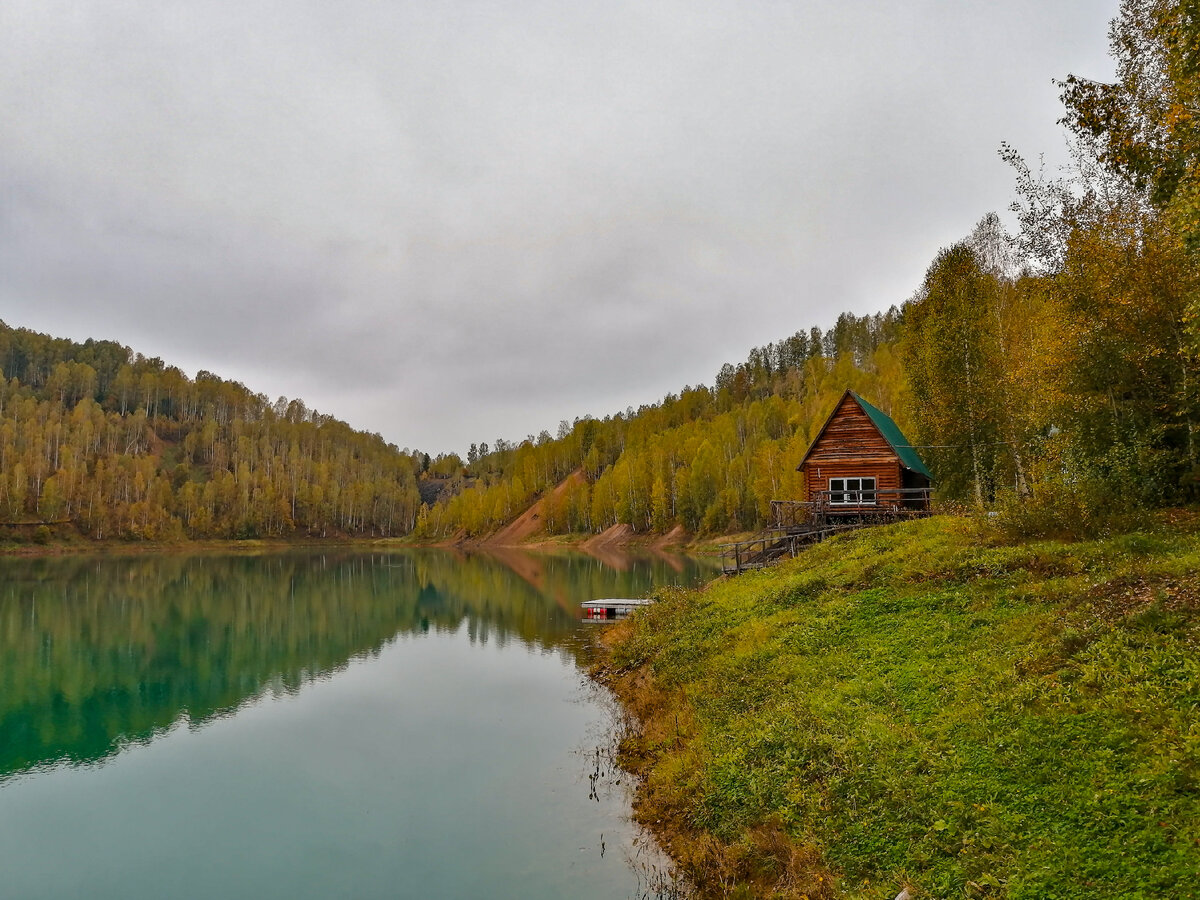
<point>606,610</point>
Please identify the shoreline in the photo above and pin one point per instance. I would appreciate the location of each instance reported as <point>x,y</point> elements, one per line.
<point>593,545</point>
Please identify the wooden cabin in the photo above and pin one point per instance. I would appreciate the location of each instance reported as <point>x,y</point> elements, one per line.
<point>861,463</point>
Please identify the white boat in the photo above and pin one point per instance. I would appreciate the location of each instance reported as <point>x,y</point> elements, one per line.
<point>611,608</point>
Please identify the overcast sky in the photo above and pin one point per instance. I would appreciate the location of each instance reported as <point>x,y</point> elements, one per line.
<point>455,220</point>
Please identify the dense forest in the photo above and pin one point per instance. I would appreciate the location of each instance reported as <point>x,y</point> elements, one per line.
<point>124,446</point>
<point>1052,371</point>
<point>1062,360</point>
<point>707,459</point>
<point>1056,365</point>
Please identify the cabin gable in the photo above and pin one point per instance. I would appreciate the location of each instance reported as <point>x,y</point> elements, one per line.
<point>860,449</point>
<point>849,435</point>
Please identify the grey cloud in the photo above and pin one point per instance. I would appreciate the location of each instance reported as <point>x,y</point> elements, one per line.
<point>450,221</point>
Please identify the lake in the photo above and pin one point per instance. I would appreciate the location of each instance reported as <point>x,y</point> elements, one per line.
<point>313,724</point>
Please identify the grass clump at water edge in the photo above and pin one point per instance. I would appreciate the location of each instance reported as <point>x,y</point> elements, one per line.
<point>923,705</point>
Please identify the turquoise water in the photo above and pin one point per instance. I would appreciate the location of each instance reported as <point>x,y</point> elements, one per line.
<point>311,725</point>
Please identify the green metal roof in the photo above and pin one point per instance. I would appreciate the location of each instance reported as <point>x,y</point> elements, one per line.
<point>891,432</point>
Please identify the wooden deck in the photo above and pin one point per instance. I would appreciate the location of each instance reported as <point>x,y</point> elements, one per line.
<point>799,524</point>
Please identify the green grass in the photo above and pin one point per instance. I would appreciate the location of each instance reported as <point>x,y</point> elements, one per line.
<point>924,705</point>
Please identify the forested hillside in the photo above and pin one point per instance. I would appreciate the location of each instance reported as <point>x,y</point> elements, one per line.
<point>708,459</point>
<point>1054,371</point>
<point>1057,367</point>
<point>124,446</point>
<point>1063,360</point>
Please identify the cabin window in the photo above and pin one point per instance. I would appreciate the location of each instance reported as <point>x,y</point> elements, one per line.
<point>851,491</point>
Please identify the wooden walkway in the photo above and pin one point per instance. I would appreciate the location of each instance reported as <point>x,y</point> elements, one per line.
<point>799,525</point>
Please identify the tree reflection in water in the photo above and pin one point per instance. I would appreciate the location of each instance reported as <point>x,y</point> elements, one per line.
<point>99,653</point>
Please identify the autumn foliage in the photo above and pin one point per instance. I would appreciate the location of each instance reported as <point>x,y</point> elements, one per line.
<point>126,447</point>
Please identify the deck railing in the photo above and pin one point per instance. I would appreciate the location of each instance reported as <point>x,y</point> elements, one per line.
<point>752,554</point>
<point>791,514</point>
<point>773,546</point>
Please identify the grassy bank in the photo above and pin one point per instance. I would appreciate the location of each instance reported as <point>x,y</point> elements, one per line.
<point>923,705</point>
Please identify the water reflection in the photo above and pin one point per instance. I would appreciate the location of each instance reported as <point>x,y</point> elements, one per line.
<point>99,653</point>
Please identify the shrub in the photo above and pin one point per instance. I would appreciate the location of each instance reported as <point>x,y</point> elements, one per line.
<point>1067,509</point>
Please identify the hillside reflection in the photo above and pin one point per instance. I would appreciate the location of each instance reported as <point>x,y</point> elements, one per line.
<point>99,653</point>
